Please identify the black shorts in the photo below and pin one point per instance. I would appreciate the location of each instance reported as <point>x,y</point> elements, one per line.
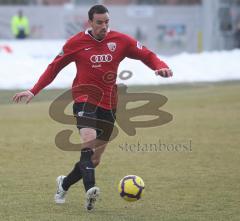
<point>98,118</point>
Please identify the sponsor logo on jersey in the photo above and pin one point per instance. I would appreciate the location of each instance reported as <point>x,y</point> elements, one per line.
<point>112,46</point>
<point>96,66</point>
<point>139,45</point>
<point>101,58</point>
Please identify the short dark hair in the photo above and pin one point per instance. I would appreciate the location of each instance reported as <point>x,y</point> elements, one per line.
<point>97,9</point>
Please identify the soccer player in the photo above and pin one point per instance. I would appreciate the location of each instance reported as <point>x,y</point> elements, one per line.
<point>97,53</point>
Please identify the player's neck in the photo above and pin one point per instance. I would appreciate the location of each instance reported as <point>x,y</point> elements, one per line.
<point>94,36</point>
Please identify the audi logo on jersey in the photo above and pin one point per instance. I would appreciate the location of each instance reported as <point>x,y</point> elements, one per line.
<point>101,58</point>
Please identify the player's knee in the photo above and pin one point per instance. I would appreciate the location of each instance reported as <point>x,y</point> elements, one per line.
<point>87,134</point>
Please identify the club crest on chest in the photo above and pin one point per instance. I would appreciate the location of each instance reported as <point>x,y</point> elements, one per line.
<point>112,46</point>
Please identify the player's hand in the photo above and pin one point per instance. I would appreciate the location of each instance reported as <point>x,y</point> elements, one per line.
<point>28,95</point>
<point>164,72</point>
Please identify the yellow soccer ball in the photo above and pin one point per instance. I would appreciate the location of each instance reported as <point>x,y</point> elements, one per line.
<point>131,188</point>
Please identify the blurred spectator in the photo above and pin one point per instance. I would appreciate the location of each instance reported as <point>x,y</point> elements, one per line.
<point>20,26</point>
<point>237,35</point>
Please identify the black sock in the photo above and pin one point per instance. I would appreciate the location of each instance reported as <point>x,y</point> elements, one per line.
<point>87,169</point>
<point>74,176</point>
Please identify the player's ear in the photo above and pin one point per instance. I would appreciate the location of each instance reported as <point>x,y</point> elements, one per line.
<point>90,22</point>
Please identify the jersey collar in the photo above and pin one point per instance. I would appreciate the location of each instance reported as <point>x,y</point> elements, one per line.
<point>89,29</point>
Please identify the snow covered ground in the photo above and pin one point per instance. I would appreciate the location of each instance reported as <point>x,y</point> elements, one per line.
<point>22,62</point>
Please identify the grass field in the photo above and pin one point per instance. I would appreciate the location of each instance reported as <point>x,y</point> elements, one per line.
<point>201,182</point>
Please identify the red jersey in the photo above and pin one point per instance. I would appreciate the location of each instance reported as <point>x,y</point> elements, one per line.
<point>97,65</point>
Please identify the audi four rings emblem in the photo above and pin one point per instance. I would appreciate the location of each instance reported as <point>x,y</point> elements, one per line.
<point>101,58</point>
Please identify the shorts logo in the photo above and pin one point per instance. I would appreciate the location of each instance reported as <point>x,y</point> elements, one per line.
<point>102,58</point>
<point>112,46</point>
<point>80,113</point>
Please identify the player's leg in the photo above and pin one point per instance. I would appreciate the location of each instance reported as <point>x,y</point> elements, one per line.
<point>82,169</point>
<point>85,164</point>
<point>104,125</point>
<point>91,153</point>
<point>93,192</point>
<point>87,134</point>
<point>103,134</point>
<point>98,151</point>
<point>87,167</point>
<point>86,121</point>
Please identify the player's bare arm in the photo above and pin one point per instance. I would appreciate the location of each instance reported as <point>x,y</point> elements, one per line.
<point>27,95</point>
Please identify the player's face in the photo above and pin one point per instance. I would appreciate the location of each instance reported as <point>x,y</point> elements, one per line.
<point>99,25</point>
